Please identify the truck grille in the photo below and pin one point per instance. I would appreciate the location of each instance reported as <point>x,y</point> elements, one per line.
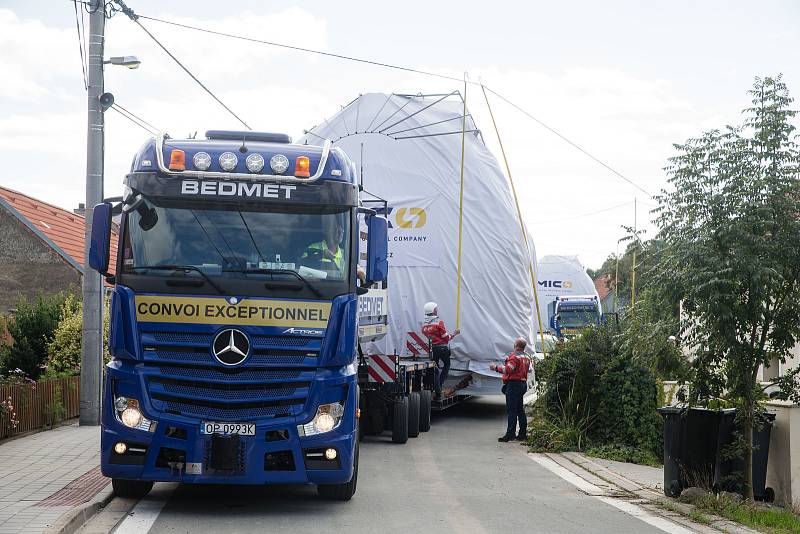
<point>183,377</point>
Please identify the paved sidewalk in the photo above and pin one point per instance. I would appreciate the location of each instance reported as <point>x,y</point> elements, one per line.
<point>45,475</point>
<point>645,484</point>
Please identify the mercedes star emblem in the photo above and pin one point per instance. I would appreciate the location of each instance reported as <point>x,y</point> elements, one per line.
<point>231,346</point>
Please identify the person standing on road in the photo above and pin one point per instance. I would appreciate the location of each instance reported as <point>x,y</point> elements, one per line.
<point>515,384</point>
<point>439,338</point>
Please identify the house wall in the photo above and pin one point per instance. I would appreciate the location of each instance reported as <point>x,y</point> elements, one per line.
<point>783,468</point>
<point>29,266</point>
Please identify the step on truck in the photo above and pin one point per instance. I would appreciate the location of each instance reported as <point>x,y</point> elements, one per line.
<point>236,317</point>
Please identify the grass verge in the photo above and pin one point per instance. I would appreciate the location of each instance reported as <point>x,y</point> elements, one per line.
<point>769,520</point>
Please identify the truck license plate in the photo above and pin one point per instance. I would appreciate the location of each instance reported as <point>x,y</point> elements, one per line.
<point>227,429</point>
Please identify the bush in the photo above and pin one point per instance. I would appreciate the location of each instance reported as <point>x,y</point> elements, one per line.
<point>64,349</point>
<point>574,369</point>
<point>597,394</point>
<point>31,328</point>
<point>626,410</point>
<point>563,429</point>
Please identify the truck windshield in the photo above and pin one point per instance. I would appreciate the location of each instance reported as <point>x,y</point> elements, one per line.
<point>290,246</point>
<point>577,317</point>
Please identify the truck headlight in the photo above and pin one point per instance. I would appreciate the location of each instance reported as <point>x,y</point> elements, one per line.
<point>128,413</point>
<point>327,418</point>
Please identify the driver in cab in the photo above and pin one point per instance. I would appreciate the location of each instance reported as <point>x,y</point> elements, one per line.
<point>328,252</point>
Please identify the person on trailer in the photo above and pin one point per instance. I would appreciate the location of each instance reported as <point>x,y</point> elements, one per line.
<point>439,339</point>
<point>515,384</point>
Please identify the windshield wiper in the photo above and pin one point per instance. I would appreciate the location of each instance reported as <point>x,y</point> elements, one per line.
<point>297,275</point>
<point>184,268</point>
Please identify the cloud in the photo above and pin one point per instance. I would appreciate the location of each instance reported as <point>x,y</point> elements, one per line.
<point>36,59</point>
<point>625,118</point>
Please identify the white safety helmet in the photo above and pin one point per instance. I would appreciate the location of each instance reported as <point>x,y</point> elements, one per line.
<point>430,308</point>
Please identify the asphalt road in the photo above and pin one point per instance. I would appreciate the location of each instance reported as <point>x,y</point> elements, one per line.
<point>455,478</point>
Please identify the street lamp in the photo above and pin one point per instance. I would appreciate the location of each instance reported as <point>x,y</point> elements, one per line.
<point>132,62</point>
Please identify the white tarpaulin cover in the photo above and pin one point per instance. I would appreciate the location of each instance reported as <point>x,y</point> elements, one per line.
<point>412,158</point>
<point>561,276</point>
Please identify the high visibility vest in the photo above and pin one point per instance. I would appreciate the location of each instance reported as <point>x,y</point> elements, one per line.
<point>338,257</point>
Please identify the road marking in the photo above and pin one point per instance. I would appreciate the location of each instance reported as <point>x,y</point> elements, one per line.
<point>569,476</point>
<point>140,520</point>
<point>595,491</point>
<point>638,512</point>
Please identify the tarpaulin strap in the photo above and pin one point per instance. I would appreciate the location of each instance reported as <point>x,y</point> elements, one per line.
<point>531,266</point>
<point>461,207</point>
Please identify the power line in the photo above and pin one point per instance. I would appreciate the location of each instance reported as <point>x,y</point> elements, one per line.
<point>135,18</point>
<point>376,63</point>
<point>78,22</point>
<point>302,49</point>
<point>567,140</point>
<point>587,214</point>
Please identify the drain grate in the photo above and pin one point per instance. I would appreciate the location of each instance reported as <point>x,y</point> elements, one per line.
<point>79,491</point>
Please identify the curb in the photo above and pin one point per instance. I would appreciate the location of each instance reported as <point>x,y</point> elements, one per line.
<point>652,495</point>
<point>73,520</point>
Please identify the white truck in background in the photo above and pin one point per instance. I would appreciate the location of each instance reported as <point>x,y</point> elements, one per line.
<point>567,296</point>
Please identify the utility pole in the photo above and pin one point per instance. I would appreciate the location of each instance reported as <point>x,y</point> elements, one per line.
<point>635,246</point>
<point>92,346</point>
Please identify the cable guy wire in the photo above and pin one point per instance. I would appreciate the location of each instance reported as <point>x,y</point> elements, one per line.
<point>135,120</point>
<point>137,117</point>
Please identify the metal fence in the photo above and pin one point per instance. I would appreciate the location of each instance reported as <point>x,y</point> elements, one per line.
<point>39,406</point>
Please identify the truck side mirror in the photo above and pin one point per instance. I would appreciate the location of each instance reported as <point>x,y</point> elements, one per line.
<point>100,245</point>
<point>377,249</point>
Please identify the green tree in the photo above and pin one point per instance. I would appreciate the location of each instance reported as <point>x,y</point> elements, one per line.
<point>646,331</point>
<point>64,348</point>
<point>31,328</point>
<point>730,223</point>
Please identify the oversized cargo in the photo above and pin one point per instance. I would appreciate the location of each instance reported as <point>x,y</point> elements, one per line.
<point>409,149</point>
<point>561,276</point>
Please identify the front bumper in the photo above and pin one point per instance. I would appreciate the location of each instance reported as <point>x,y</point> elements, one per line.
<point>276,454</point>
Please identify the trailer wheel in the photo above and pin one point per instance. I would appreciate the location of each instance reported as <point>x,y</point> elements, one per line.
<point>413,414</point>
<point>425,410</point>
<point>400,420</point>
<point>131,488</point>
<point>341,492</point>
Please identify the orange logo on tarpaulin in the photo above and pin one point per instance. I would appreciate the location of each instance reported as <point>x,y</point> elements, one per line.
<point>411,217</point>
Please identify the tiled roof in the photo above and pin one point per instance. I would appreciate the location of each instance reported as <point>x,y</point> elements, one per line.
<point>61,227</point>
<point>603,285</point>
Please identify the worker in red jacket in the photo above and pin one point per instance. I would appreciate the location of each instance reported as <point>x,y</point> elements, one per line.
<point>515,380</point>
<point>439,338</point>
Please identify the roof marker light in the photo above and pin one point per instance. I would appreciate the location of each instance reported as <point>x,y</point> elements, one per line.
<point>177,160</point>
<point>228,161</point>
<point>302,167</point>
<point>279,163</point>
<point>254,163</point>
<point>202,161</point>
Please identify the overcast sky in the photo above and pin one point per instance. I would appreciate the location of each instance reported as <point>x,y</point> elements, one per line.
<point>622,79</point>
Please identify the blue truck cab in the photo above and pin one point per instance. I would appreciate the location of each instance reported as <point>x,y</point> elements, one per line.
<point>234,314</point>
<point>569,315</point>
